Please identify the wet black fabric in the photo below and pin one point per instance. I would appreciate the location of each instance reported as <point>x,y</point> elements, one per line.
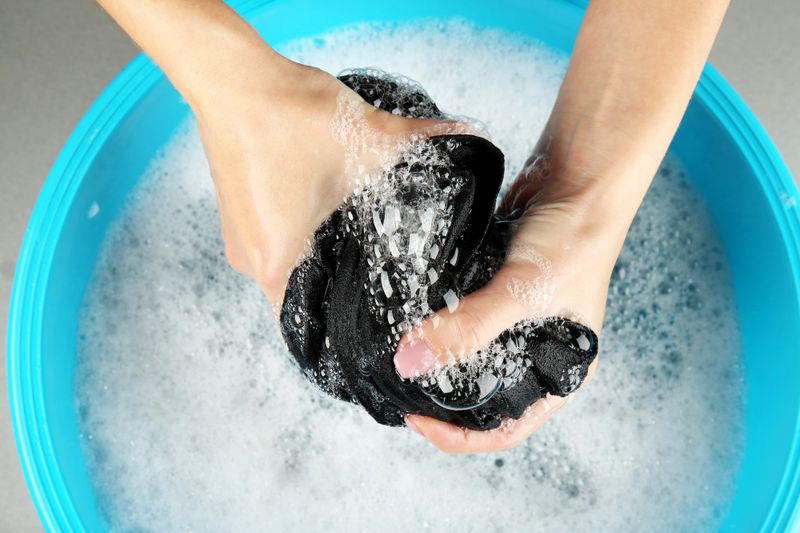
<point>329,322</point>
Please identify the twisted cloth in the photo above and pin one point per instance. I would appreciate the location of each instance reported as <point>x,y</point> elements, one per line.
<point>393,254</point>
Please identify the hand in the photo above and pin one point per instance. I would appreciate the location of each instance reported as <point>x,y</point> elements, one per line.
<point>632,72</point>
<point>285,155</point>
<point>285,142</point>
<point>559,264</point>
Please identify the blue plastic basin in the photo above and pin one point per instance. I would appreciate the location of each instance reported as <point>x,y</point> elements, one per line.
<point>733,163</point>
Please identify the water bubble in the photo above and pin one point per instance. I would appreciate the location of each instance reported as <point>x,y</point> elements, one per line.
<point>377,224</point>
<point>426,219</point>
<point>454,257</point>
<point>583,342</point>
<point>443,381</point>
<point>451,300</point>
<point>386,284</point>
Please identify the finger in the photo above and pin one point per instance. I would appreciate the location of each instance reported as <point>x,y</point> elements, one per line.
<point>453,439</point>
<point>471,324</point>
<point>433,127</point>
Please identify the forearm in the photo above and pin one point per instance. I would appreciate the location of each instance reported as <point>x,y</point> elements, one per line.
<point>203,46</point>
<point>632,73</point>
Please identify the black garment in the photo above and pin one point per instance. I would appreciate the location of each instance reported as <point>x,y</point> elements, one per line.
<point>343,341</point>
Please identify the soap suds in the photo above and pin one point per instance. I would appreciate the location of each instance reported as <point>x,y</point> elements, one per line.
<point>194,418</point>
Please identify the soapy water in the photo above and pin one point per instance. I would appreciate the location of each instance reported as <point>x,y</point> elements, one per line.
<point>194,418</point>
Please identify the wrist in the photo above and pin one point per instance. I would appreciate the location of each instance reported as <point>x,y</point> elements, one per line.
<point>248,70</point>
<point>205,48</point>
<point>597,169</point>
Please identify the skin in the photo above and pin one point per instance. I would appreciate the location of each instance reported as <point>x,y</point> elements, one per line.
<point>279,171</point>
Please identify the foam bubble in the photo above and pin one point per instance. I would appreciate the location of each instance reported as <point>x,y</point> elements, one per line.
<point>194,418</point>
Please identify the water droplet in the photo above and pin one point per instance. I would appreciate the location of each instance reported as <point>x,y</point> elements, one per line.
<point>376,221</point>
<point>385,284</point>
<point>583,342</point>
<point>426,219</point>
<point>451,299</point>
<point>488,383</point>
<point>415,243</point>
<point>444,383</point>
<point>391,220</point>
<point>454,257</point>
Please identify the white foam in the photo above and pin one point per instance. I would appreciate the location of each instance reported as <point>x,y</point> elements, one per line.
<point>194,418</point>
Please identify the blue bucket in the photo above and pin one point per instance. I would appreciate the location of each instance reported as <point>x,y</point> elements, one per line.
<point>735,166</point>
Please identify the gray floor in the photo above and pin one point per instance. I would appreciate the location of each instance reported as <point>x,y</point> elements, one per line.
<point>56,57</point>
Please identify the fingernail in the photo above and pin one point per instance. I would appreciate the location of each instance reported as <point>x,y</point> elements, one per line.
<point>414,359</point>
<point>413,426</point>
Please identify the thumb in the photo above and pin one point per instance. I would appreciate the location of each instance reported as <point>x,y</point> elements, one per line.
<point>521,289</point>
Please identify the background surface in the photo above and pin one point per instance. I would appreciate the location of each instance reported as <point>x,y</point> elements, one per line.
<point>57,56</point>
